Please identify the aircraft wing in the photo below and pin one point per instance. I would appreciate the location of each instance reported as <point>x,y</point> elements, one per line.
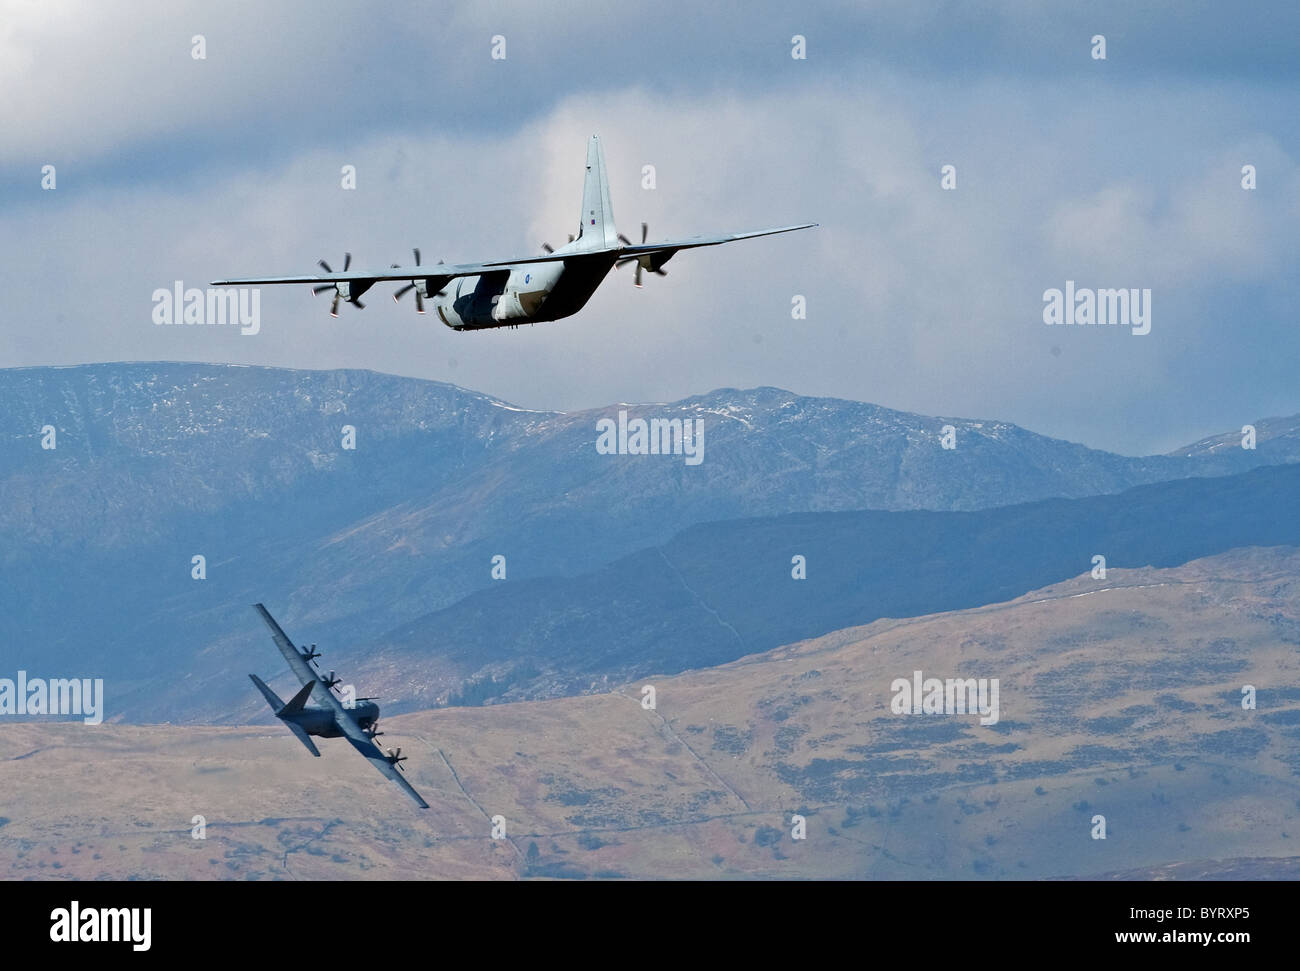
<point>367,747</point>
<point>627,252</point>
<point>696,241</point>
<point>295,659</point>
<point>438,274</point>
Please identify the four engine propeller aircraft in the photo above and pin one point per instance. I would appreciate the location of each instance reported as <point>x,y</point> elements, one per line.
<point>507,293</point>
<point>359,725</point>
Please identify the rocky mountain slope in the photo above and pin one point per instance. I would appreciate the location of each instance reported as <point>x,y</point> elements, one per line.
<point>1121,700</point>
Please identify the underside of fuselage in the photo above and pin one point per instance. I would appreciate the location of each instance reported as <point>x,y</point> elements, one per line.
<point>523,295</point>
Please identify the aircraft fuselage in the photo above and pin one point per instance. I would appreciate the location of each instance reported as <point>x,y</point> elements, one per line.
<point>321,721</point>
<point>525,294</point>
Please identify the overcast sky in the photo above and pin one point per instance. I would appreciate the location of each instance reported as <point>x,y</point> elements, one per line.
<point>1123,172</point>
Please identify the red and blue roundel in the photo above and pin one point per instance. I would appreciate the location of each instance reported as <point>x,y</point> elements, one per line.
<point>527,277</point>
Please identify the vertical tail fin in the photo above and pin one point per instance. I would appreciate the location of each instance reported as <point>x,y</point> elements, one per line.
<point>294,706</point>
<point>597,231</point>
<point>298,701</point>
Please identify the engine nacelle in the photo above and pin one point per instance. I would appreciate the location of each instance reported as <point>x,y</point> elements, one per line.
<point>653,261</point>
<point>351,290</point>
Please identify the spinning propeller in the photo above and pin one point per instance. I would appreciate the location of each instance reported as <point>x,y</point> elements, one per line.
<point>551,249</point>
<point>349,290</point>
<point>649,261</point>
<point>420,286</point>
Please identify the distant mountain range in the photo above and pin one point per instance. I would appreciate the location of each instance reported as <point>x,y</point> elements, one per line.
<point>141,447</point>
<point>158,462</point>
<point>1278,433</point>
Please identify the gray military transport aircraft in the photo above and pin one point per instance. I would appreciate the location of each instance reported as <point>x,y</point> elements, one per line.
<point>507,293</point>
<point>359,724</point>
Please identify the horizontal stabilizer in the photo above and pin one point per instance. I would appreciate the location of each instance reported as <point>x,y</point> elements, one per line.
<point>280,708</point>
<point>271,697</point>
<point>303,737</point>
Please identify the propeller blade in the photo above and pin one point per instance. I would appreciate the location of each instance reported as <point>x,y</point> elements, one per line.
<point>324,266</point>
<point>347,261</point>
<point>419,304</point>
<point>636,280</point>
<point>416,251</point>
<point>334,307</point>
<point>548,247</point>
<point>571,239</point>
<point>358,304</point>
<point>398,295</point>
<point>624,240</point>
<point>644,229</point>
<point>323,288</point>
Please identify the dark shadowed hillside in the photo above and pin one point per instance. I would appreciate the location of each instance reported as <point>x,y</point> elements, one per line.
<point>720,591</point>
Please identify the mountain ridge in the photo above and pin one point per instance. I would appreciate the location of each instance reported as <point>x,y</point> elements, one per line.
<point>244,466</point>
